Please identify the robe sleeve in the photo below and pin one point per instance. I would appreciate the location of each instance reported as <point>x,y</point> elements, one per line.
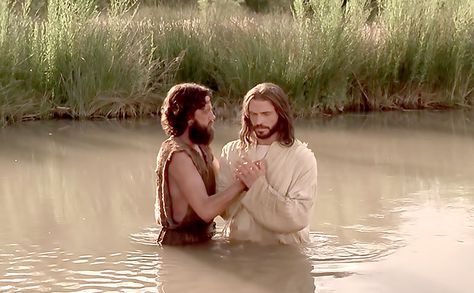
<point>225,177</point>
<point>283,212</point>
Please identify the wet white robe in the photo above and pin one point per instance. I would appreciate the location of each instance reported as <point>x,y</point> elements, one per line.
<point>277,207</point>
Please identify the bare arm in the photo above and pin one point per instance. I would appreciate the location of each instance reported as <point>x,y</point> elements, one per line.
<point>192,187</point>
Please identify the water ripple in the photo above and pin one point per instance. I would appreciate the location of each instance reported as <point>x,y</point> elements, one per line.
<point>30,269</point>
<point>147,266</point>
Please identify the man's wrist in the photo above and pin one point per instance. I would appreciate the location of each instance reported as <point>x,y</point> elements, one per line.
<point>243,186</point>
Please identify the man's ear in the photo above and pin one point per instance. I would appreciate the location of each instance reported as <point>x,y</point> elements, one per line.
<point>190,119</point>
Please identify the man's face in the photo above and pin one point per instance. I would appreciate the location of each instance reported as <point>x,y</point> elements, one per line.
<point>264,119</point>
<point>201,130</point>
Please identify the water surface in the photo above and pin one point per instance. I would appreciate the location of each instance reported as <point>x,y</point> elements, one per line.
<point>394,211</point>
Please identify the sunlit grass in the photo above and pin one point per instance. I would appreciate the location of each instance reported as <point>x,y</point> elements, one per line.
<point>78,62</point>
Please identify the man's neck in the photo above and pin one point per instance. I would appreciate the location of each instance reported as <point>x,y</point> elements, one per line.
<point>267,141</point>
<point>185,138</point>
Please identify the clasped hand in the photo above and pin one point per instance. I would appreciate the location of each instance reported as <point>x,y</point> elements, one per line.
<point>248,172</point>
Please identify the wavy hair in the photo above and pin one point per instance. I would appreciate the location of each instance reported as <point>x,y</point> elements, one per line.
<point>275,95</point>
<point>179,106</point>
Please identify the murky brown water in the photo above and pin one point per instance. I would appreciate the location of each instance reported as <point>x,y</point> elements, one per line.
<point>394,213</point>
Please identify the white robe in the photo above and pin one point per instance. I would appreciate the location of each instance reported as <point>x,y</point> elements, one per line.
<point>277,207</point>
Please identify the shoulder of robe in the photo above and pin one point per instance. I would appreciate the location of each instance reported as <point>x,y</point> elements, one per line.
<point>208,150</point>
<point>173,146</point>
<point>231,146</point>
<point>304,154</point>
<point>165,147</point>
<point>170,143</point>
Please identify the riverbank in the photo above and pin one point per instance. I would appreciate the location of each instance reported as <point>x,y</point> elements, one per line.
<point>80,63</point>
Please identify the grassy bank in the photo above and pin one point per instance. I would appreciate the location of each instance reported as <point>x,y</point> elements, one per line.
<point>75,61</point>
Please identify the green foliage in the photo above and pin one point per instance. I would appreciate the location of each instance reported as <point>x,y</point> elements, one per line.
<point>76,60</point>
<point>76,63</point>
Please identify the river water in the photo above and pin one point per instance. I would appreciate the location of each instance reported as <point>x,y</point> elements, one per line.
<point>394,211</point>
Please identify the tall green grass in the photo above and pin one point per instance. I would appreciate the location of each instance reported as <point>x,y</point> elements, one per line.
<point>76,62</point>
<point>80,62</point>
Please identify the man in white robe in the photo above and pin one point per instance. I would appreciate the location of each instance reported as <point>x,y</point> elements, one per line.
<point>276,207</point>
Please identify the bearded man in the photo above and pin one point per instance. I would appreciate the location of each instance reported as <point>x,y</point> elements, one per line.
<point>277,206</point>
<point>186,199</point>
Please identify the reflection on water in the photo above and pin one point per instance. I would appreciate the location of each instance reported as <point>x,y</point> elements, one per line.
<point>395,202</point>
<point>244,267</point>
<point>32,268</point>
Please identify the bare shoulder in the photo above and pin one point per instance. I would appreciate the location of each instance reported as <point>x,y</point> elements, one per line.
<point>181,165</point>
<point>187,179</point>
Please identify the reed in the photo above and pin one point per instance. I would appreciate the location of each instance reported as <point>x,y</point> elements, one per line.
<point>76,61</point>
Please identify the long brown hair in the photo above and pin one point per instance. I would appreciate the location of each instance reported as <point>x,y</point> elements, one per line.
<point>275,95</point>
<point>180,104</point>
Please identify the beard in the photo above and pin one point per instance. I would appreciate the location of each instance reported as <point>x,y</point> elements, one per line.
<point>270,132</point>
<point>201,134</point>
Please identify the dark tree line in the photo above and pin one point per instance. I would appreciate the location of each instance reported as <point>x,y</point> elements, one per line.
<point>372,5</point>
<point>259,6</point>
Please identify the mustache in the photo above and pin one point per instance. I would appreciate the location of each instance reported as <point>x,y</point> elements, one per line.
<point>261,127</point>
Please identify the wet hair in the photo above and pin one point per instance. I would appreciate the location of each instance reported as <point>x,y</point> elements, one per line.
<point>275,95</point>
<point>179,106</point>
